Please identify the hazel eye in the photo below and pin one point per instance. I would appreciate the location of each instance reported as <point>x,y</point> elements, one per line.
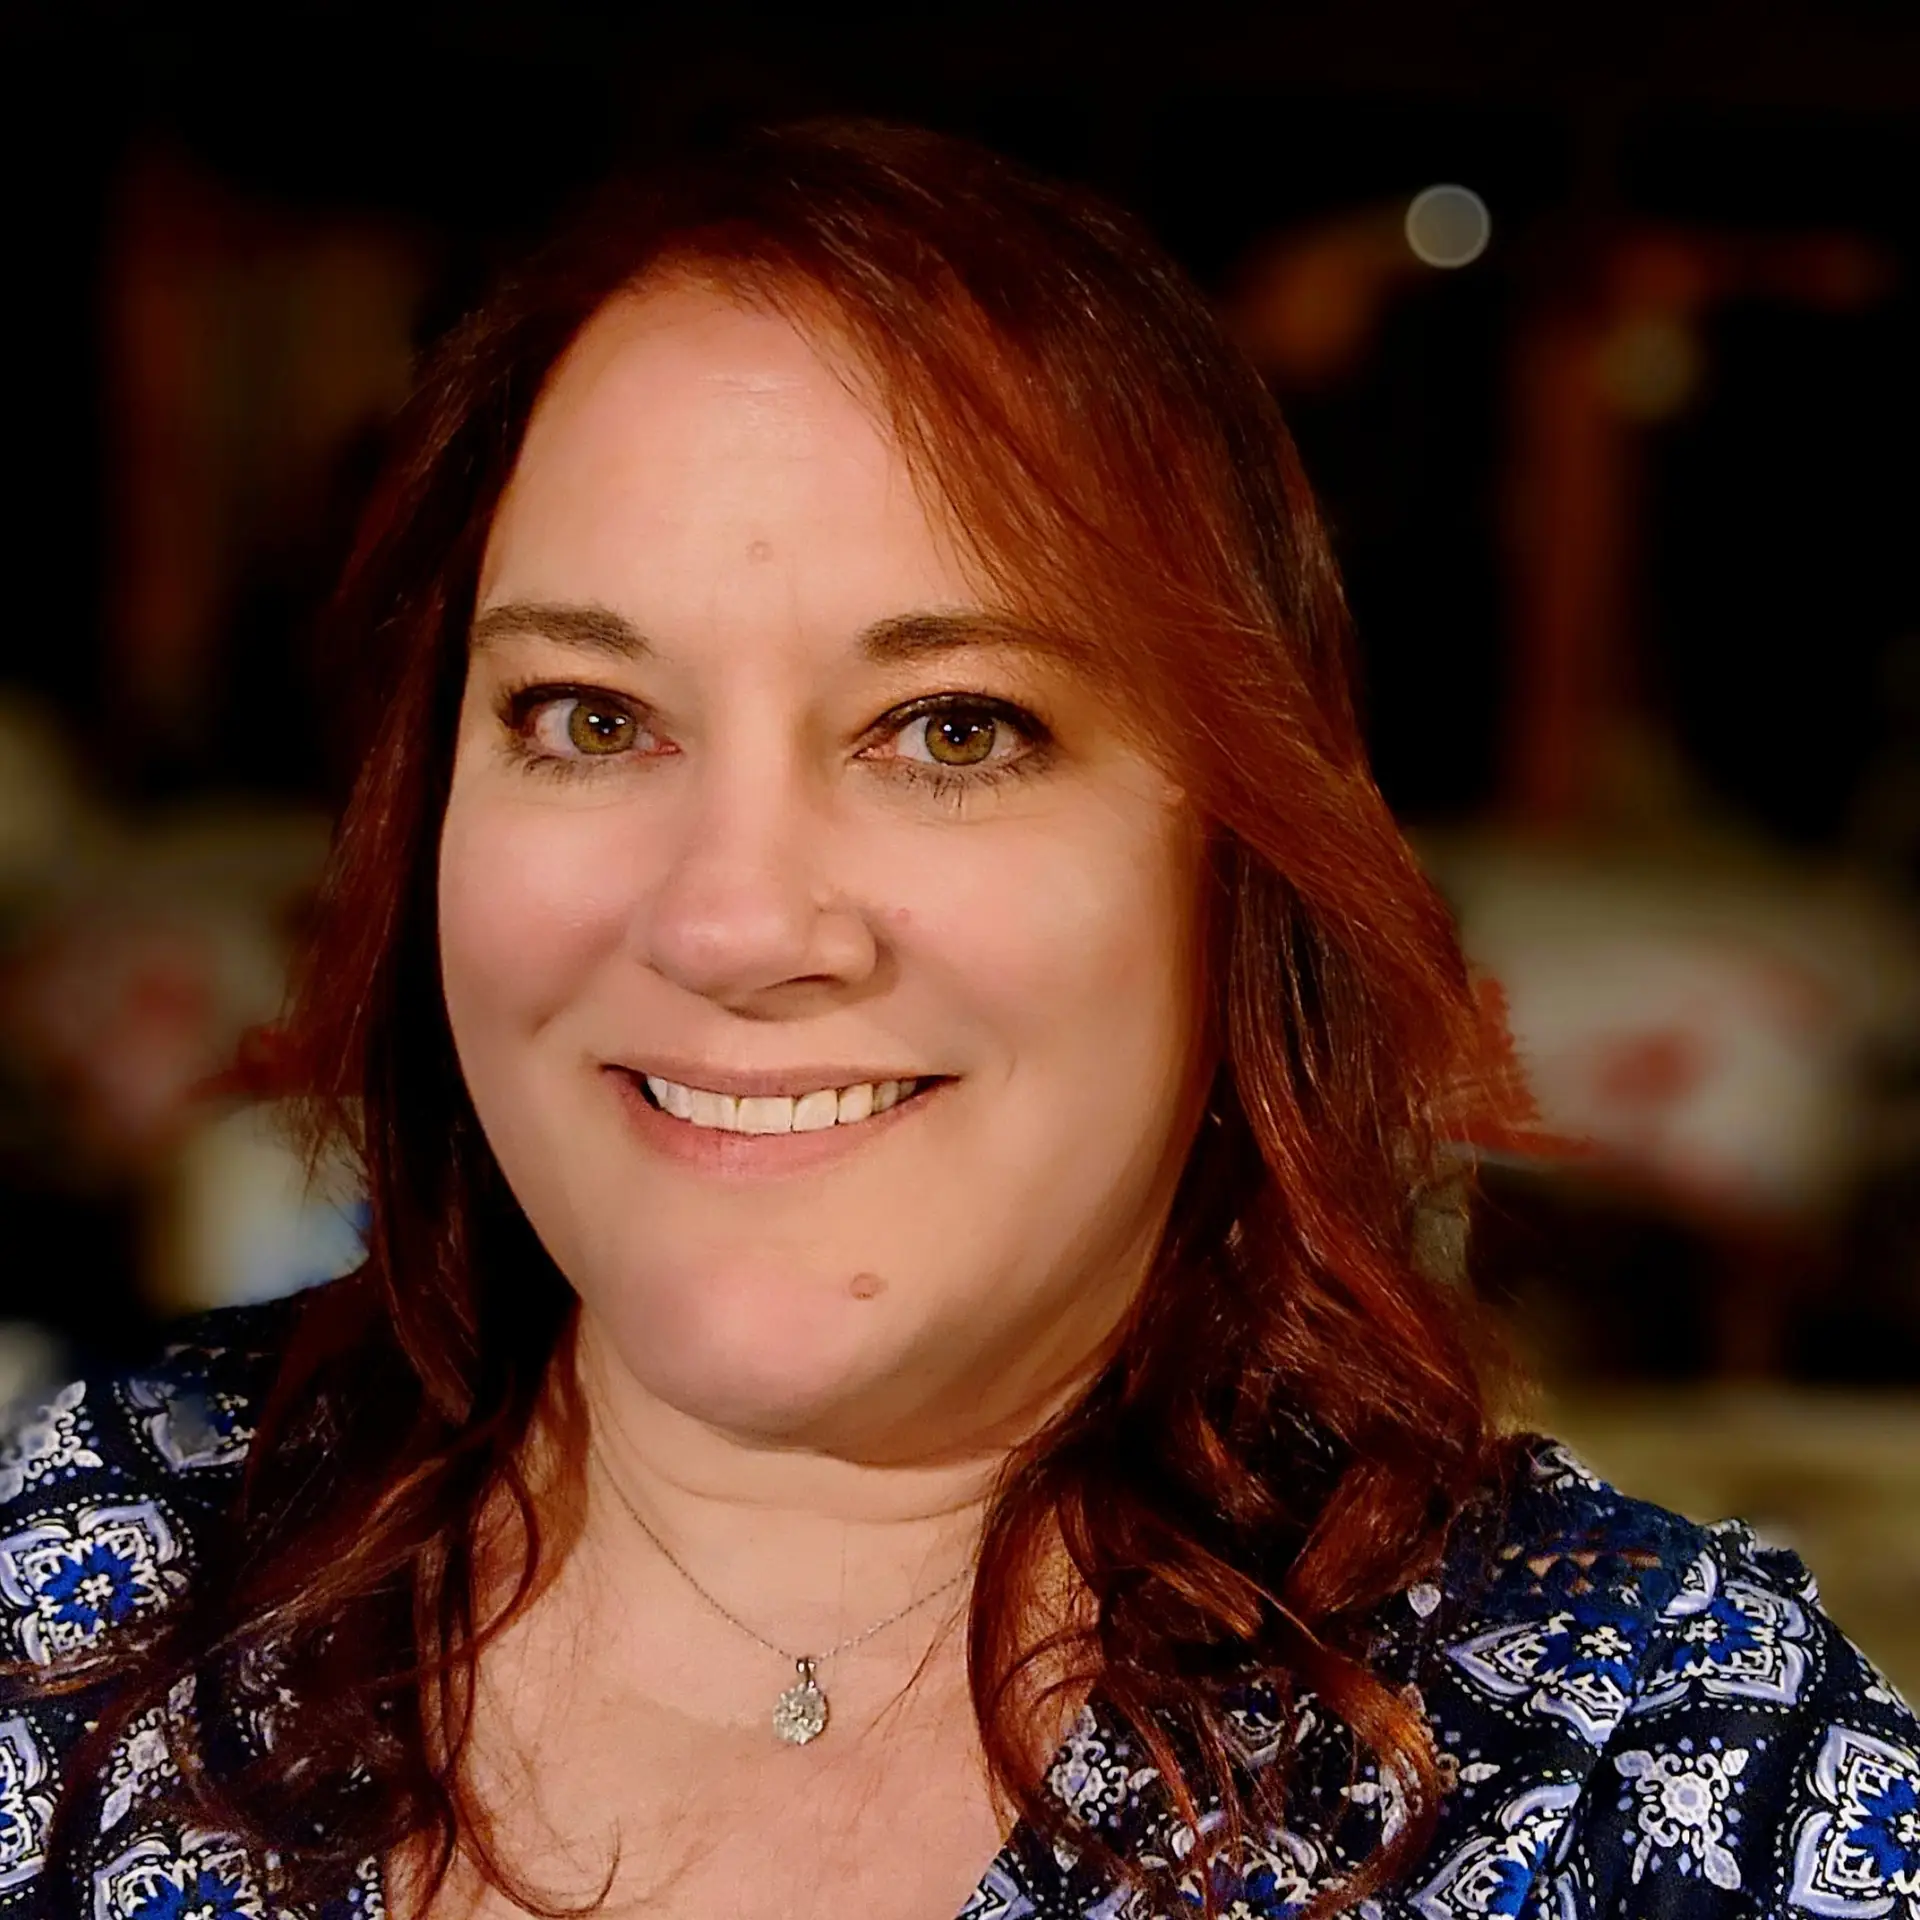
<point>592,728</point>
<point>959,736</point>
<point>957,745</point>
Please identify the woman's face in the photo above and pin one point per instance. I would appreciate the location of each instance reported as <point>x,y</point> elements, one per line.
<point>751,796</point>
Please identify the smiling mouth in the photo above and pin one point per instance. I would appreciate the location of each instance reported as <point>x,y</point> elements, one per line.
<point>815,1112</point>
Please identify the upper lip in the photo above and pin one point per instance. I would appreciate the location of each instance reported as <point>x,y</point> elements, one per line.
<point>766,1082</point>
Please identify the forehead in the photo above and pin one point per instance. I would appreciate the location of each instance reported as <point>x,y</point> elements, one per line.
<point>692,358</point>
<point>723,479</point>
<point>685,431</point>
<point>720,479</point>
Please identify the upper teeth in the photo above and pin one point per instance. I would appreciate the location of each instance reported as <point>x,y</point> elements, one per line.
<point>778,1113</point>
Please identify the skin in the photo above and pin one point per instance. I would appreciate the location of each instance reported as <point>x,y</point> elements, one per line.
<point>805,1382</point>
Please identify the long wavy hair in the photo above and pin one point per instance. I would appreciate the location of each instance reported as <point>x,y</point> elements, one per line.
<point>1297,1407</point>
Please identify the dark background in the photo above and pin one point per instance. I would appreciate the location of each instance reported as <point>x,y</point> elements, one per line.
<point>1779,563</point>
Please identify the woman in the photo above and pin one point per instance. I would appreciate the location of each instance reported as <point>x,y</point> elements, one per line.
<point>899,1062</point>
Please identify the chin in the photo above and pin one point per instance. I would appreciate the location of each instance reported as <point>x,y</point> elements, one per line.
<point>752,1360</point>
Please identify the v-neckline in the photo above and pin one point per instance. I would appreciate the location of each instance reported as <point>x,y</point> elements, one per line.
<point>1006,1874</point>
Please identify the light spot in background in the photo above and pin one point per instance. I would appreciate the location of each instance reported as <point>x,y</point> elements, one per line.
<point>1448,226</point>
<point>1650,366</point>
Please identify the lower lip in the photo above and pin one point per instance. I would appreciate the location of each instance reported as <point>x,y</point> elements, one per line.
<point>753,1156</point>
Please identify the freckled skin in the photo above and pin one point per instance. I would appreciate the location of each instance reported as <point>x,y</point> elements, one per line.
<point>752,893</point>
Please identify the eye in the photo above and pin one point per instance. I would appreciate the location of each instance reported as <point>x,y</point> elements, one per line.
<point>959,737</point>
<point>960,734</point>
<point>956,746</point>
<point>572,723</point>
<point>593,726</point>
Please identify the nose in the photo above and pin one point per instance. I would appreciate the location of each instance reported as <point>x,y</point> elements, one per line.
<point>747,899</point>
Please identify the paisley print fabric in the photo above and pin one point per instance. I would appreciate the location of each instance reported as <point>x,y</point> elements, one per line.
<point>1637,1718</point>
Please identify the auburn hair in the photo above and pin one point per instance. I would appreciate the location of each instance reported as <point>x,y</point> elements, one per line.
<point>1297,1407</point>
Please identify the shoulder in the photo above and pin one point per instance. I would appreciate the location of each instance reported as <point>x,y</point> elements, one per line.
<point>109,1486</point>
<point>112,1492</point>
<point>1636,1717</point>
<point>1642,1714</point>
<point>116,1494</point>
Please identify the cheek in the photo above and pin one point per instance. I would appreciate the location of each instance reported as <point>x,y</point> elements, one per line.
<point>530,900</point>
<point>1077,939</point>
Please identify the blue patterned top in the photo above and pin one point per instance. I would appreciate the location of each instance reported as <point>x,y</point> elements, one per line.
<point>1637,1717</point>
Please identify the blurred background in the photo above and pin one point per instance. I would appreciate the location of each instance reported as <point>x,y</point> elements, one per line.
<point>1599,338</point>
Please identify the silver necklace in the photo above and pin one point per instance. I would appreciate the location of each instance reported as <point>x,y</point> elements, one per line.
<point>800,1713</point>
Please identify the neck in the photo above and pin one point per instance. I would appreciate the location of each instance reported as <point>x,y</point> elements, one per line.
<point>804,1547</point>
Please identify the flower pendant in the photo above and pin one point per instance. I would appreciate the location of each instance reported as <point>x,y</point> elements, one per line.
<point>800,1714</point>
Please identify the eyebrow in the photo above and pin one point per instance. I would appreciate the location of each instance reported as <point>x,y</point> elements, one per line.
<point>589,629</point>
<point>897,638</point>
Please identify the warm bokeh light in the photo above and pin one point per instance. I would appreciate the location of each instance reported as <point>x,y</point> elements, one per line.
<point>1448,226</point>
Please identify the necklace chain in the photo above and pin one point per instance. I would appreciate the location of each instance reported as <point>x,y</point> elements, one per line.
<point>803,1660</point>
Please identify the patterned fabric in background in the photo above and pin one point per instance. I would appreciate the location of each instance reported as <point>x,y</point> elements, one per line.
<point>1637,1716</point>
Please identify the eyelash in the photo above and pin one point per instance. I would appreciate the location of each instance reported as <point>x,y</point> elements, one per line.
<point>520,707</point>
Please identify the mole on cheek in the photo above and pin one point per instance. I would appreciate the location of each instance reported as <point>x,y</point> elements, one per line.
<point>759,549</point>
<point>866,1286</point>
